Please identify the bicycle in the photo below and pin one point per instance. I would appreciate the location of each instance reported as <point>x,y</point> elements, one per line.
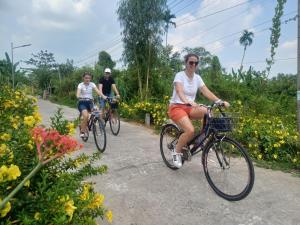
<point>227,165</point>
<point>111,114</point>
<point>96,125</point>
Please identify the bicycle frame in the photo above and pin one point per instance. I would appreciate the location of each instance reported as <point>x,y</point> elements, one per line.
<point>198,147</point>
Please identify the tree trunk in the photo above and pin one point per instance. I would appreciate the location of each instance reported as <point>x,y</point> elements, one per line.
<point>148,71</point>
<point>243,58</point>
<point>139,78</point>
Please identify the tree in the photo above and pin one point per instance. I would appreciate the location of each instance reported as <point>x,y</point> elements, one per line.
<point>6,71</point>
<point>246,40</point>
<point>215,69</point>
<point>45,67</point>
<point>142,29</point>
<point>275,32</point>
<point>104,61</point>
<point>167,17</point>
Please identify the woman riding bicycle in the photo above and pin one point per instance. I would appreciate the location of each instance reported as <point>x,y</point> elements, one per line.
<point>85,95</point>
<point>182,108</point>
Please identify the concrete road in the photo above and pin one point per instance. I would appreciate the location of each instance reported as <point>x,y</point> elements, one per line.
<point>141,190</point>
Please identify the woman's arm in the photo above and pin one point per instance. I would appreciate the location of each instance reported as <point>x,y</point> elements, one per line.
<point>211,96</point>
<point>78,93</point>
<point>179,91</point>
<point>208,94</point>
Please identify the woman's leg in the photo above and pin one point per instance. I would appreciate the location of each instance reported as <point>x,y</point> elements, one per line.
<point>85,117</point>
<point>186,125</point>
<point>197,112</point>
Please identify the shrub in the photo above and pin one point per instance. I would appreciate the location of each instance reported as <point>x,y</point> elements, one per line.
<point>43,188</point>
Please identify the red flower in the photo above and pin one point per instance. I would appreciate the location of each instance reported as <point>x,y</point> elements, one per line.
<point>50,144</point>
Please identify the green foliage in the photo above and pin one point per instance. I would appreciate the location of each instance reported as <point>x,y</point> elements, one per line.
<point>104,61</point>
<point>57,194</point>
<point>141,37</point>
<point>275,32</point>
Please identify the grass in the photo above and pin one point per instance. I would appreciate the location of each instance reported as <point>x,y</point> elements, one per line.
<point>282,166</point>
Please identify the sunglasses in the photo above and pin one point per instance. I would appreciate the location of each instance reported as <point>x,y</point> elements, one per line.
<point>193,63</point>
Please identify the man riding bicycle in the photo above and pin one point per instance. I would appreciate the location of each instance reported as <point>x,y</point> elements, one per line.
<point>106,84</point>
<point>85,95</point>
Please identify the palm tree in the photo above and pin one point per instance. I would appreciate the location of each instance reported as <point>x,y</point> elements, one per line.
<point>167,17</point>
<point>246,40</point>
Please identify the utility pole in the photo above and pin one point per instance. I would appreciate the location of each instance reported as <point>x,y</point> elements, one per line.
<point>298,70</point>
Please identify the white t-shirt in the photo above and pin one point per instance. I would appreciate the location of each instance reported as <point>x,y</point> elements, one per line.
<point>190,86</point>
<point>86,90</point>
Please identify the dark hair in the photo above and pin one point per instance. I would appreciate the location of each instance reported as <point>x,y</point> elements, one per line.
<point>87,73</point>
<point>186,58</point>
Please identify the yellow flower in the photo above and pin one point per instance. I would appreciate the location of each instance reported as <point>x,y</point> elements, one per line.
<point>37,117</point>
<point>259,156</point>
<point>27,183</point>
<point>37,216</point>
<point>3,149</point>
<point>29,146</point>
<point>294,160</point>
<point>281,141</point>
<point>70,208</point>
<point>6,209</point>
<point>3,173</point>
<point>71,128</point>
<point>29,121</point>
<point>85,193</point>
<point>13,172</point>
<point>15,126</point>
<point>109,216</point>
<point>5,137</point>
<point>97,201</point>
<point>275,156</point>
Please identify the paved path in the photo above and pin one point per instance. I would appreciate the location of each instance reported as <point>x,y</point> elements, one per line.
<point>141,190</point>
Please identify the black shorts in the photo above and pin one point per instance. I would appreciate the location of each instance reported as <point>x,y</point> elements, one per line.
<point>85,105</point>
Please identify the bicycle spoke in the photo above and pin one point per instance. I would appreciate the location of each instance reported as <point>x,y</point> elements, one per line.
<point>228,169</point>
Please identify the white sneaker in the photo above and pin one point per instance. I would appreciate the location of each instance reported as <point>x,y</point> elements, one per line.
<point>177,161</point>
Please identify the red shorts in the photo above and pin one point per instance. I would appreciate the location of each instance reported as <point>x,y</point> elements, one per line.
<point>178,111</point>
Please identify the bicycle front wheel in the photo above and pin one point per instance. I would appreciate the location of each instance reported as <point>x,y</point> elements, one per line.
<point>114,122</point>
<point>228,168</point>
<point>99,135</point>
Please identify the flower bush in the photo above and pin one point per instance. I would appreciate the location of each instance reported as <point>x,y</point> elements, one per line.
<point>37,184</point>
<point>137,111</point>
<point>266,137</point>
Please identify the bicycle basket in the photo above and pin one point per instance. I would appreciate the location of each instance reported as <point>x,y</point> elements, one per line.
<point>221,124</point>
<point>114,105</point>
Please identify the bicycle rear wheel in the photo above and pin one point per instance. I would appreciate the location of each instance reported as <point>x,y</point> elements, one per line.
<point>99,135</point>
<point>114,122</point>
<point>228,168</point>
<point>168,139</point>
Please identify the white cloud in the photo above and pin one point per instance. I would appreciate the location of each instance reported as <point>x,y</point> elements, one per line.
<point>289,45</point>
<point>253,13</point>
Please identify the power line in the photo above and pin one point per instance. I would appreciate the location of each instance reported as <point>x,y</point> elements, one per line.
<point>213,27</point>
<point>192,2</point>
<point>238,32</point>
<point>214,13</point>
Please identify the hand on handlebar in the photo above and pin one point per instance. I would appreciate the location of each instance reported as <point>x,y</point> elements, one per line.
<point>222,103</point>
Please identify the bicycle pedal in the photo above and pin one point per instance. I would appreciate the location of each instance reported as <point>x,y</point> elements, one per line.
<point>187,155</point>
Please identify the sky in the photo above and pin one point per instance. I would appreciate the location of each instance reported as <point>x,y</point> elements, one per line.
<point>79,29</point>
